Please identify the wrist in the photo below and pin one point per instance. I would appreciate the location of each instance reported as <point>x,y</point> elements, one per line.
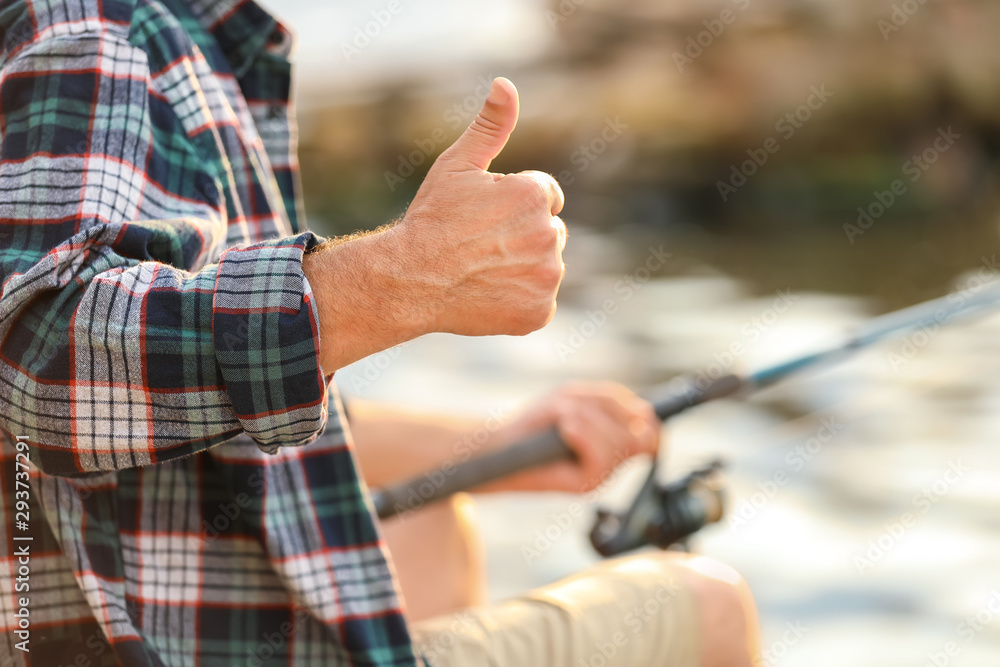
<point>418,295</point>
<point>364,297</point>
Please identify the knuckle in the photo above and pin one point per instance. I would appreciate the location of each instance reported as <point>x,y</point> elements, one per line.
<point>544,235</point>
<point>540,317</point>
<point>538,239</point>
<point>524,322</point>
<point>537,317</point>
<point>531,193</point>
<point>551,274</point>
<point>524,326</point>
<point>558,226</point>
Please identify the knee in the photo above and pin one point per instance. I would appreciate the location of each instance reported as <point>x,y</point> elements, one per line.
<point>451,524</point>
<point>447,524</point>
<point>726,611</point>
<point>438,557</point>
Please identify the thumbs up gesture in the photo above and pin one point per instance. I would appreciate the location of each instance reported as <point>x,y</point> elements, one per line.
<point>486,248</point>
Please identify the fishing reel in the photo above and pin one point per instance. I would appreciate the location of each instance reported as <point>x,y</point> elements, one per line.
<point>663,515</point>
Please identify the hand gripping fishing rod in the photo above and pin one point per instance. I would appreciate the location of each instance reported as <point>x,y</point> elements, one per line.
<point>664,514</point>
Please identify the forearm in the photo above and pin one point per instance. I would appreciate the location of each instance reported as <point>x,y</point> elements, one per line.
<point>368,300</point>
<point>395,443</point>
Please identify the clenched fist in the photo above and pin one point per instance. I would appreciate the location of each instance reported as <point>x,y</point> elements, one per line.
<point>489,245</point>
<point>477,253</point>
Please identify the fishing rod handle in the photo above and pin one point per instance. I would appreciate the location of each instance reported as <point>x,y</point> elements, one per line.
<point>539,449</point>
<point>536,450</point>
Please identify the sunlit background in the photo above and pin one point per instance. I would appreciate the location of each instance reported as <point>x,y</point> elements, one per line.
<point>838,156</point>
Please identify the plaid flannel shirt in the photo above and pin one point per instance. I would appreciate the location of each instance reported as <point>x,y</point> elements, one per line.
<point>154,311</point>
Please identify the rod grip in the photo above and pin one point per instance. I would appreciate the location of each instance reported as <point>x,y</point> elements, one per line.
<point>544,447</point>
<point>539,449</point>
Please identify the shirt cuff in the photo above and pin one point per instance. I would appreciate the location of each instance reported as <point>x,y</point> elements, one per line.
<point>265,325</point>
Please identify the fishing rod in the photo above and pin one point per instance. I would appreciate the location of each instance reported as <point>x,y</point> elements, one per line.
<point>662,515</point>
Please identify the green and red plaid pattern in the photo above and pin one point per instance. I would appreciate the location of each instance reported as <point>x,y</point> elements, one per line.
<point>194,499</point>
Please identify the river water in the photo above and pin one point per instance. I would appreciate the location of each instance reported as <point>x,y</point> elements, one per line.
<point>863,497</point>
<point>862,500</point>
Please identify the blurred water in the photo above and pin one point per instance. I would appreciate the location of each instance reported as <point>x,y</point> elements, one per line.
<point>821,535</point>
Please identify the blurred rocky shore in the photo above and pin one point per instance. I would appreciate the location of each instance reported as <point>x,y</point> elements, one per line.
<point>702,112</point>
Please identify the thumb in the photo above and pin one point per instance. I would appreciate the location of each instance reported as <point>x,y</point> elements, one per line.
<point>488,133</point>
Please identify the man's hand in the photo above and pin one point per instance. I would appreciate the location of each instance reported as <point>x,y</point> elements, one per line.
<point>476,254</point>
<point>490,245</point>
<point>603,423</point>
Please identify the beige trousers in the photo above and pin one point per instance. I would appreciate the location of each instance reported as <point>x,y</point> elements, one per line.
<point>628,612</point>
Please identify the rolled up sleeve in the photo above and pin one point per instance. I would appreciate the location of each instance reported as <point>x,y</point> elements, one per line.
<point>129,336</point>
<point>266,333</point>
